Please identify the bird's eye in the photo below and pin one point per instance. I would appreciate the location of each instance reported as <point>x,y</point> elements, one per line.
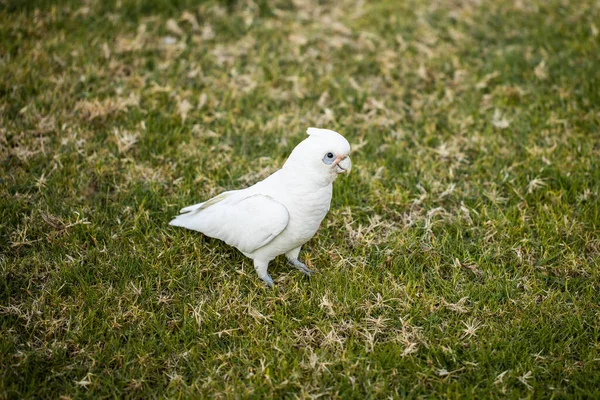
<point>328,158</point>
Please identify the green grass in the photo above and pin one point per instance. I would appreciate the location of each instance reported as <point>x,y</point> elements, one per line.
<point>459,259</point>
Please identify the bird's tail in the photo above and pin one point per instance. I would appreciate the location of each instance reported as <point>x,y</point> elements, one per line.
<point>191,208</point>
<point>179,221</point>
<point>186,212</point>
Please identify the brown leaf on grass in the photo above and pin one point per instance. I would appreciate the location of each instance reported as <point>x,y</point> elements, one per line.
<point>90,110</point>
<point>202,101</point>
<point>183,107</point>
<point>225,55</point>
<point>323,99</point>
<point>326,118</point>
<point>298,39</point>
<point>327,305</point>
<point>207,32</point>
<point>202,132</point>
<point>243,83</point>
<point>106,50</point>
<point>410,348</point>
<point>471,328</point>
<point>471,267</point>
<point>535,184</point>
<point>23,153</point>
<point>458,307</point>
<point>424,73</point>
<point>191,19</point>
<point>499,121</point>
<point>482,84</point>
<point>174,28</point>
<point>125,139</point>
<point>126,44</point>
<point>541,71</point>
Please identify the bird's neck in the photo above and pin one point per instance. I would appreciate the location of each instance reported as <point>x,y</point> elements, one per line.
<point>306,177</point>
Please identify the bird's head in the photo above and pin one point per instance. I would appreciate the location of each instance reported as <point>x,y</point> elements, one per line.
<point>324,154</point>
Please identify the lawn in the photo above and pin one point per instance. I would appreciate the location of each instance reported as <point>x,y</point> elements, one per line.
<point>460,258</point>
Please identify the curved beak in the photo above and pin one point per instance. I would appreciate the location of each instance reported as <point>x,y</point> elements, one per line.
<point>343,164</point>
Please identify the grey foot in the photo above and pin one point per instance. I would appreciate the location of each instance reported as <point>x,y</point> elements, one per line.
<point>300,266</point>
<point>268,280</point>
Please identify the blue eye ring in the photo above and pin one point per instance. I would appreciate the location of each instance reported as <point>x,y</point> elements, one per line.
<point>328,158</point>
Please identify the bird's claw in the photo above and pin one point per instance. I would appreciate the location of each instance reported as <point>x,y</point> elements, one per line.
<point>268,280</point>
<point>300,266</point>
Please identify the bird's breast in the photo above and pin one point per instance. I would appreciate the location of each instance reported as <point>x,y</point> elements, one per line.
<point>307,210</point>
<point>307,206</point>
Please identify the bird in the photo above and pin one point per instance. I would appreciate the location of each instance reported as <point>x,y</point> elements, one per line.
<point>279,214</point>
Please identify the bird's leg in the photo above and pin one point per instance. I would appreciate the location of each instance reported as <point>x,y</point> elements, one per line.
<point>301,267</point>
<point>292,257</point>
<point>261,269</point>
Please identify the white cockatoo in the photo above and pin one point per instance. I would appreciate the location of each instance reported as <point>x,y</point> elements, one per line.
<point>279,214</point>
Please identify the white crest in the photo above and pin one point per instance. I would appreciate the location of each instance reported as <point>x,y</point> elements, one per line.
<point>318,132</point>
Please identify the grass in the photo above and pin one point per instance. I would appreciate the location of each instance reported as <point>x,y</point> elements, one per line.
<point>459,259</point>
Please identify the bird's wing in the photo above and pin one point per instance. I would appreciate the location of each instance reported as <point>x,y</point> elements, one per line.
<point>207,203</point>
<point>245,222</point>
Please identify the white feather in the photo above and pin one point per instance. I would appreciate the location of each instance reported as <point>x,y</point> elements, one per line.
<point>318,132</point>
<point>279,214</point>
<point>247,223</point>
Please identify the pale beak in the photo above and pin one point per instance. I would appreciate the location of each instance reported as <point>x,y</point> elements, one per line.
<point>336,161</point>
<point>343,164</point>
